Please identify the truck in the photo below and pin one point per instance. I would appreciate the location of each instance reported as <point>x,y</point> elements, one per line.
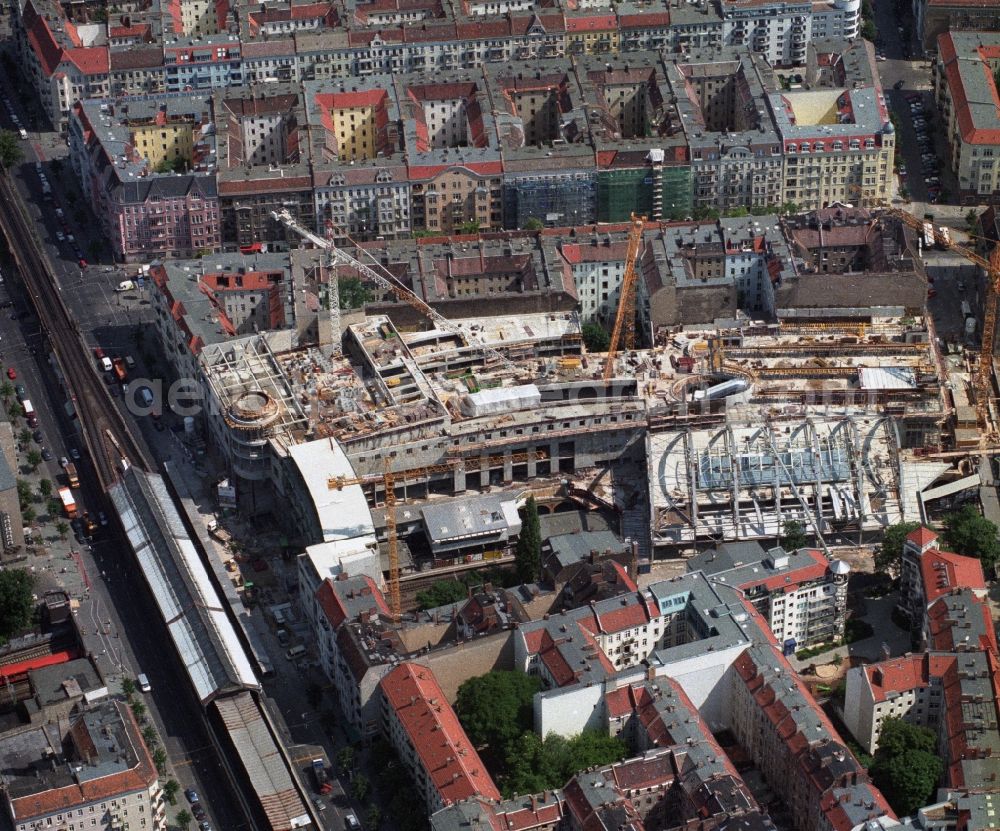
<point>218,532</point>
<point>71,475</point>
<point>119,367</point>
<point>69,504</point>
<point>319,774</point>
<point>29,413</point>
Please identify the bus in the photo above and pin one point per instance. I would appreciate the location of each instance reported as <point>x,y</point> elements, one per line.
<point>29,413</point>
<point>69,504</point>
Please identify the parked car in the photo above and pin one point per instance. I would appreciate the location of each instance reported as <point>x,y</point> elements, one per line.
<point>37,436</point>
<point>191,794</point>
<point>74,454</point>
<point>46,454</point>
<point>11,373</point>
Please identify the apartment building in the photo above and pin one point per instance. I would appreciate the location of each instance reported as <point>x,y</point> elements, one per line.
<point>933,18</point>
<point>148,170</point>
<point>838,141</point>
<point>61,61</point>
<point>927,574</point>
<point>90,771</point>
<point>423,728</point>
<point>801,594</point>
<point>781,31</point>
<point>909,688</point>
<point>964,88</point>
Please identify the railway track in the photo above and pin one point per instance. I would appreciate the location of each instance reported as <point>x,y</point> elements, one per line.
<point>105,432</point>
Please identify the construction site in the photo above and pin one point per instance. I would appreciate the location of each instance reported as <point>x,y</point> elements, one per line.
<point>845,418</point>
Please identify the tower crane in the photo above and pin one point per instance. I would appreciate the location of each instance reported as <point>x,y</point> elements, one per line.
<point>388,479</point>
<point>624,328</point>
<point>380,275</point>
<point>982,381</point>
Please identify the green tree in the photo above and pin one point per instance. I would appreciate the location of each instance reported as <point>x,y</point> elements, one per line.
<point>160,760</point>
<point>6,390</point>
<point>128,687</point>
<point>24,436</point>
<point>360,786</point>
<point>352,292</point>
<point>373,817</point>
<point>969,533</point>
<point>62,529</point>
<point>138,709</point>
<point>737,212</point>
<point>149,735</point>
<point>533,764</point>
<point>528,554</point>
<point>972,221</point>
<point>10,149</point>
<point>170,789</point>
<point>889,555</point>
<point>906,767</point>
<point>53,507</point>
<point>345,759</point>
<point>496,708</point>
<point>23,493</point>
<point>595,337</point>
<point>793,536</point>
<point>183,818</point>
<point>869,31</point>
<point>442,593</point>
<point>471,227</point>
<point>45,487</point>
<point>34,459</point>
<point>28,515</point>
<point>16,602</point>
<point>533,224</point>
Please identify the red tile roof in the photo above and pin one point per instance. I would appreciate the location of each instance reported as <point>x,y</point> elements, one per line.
<point>942,571</point>
<point>448,759</point>
<point>961,97</point>
<point>922,537</point>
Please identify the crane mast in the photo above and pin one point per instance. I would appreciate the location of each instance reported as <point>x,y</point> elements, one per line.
<point>624,329</point>
<point>390,283</point>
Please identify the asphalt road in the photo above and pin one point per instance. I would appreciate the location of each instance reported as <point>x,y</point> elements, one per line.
<point>143,648</point>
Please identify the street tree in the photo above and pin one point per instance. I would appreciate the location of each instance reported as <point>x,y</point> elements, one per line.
<point>45,487</point>
<point>138,709</point>
<point>528,554</point>
<point>183,818</point>
<point>34,459</point>
<point>360,786</point>
<point>53,506</point>
<point>345,759</point>
<point>24,436</point>
<point>149,736</point>
<point>170,789</point>
<point>28,515</point>
<point>128,687</point>
<point>10,149</point>
<point>496,708</point>
<point>16,602</point>
<point>160,760</point>
<point>969,533</point>
<point>62,529</point>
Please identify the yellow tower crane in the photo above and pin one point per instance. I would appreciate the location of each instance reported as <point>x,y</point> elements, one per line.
<point>624,329</point>
<point>389,478</point>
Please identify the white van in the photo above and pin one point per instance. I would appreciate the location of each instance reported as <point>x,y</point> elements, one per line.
<point>126,285</point>
<point>295,652</point>
<point>22,133</point>
<point>143,683</point>
<point>106,364</point>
